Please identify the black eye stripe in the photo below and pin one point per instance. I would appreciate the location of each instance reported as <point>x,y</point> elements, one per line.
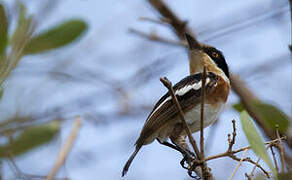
<point>219,60</point>
<point>212,52</point>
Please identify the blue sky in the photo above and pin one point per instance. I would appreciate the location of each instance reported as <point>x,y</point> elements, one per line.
<point>256,38</point>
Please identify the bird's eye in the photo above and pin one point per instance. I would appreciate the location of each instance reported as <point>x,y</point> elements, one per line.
<point>215,54</point>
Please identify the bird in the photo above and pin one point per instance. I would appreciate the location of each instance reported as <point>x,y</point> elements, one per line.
<point>164,123</point>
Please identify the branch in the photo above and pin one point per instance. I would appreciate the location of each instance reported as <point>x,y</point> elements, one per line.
<point>274,158</point>
<point>65,149</point>
<point>231,142</point>
<point>252,162</point>
<point>206,173</point>
<point>231,153</point>
<point>161,21</point>
<point>236,168</point>
<point>202,115</point>
<point>156,38</point>
<point>249,177</point>
<point>168,85</point>
<point>281,149</point>
<point>179,26</point>
<point>290,1</point>
<point>21,175</point>
<point>240,150</point>
<point>252,171</point>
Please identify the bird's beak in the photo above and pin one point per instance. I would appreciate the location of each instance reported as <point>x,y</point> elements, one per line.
<point>192,42</point>
<point>196,55</point>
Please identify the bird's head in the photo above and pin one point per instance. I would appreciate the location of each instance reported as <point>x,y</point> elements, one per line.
<point>203,55</point>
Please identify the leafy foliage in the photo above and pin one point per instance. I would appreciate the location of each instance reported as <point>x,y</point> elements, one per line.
<point>255,139</point>
<point>1,92</point>
<point>285,176</point>
<point>269,113</point>
<point>3,30</point>
<point>31,138</point>
<point>56,37</point>
<point>21,42</point>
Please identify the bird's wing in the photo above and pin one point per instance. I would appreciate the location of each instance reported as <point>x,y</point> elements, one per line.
<point>188,93</point>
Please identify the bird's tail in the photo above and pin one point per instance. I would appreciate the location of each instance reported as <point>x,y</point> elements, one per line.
<point>128,163</point>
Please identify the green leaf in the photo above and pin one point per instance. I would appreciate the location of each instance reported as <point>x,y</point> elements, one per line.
<point>269,113</point>
<point>3,30</point>
<point>259,177</point>
<point>1,92</point>
<point>255,140</point>
<point>23,27</point>
<point>30,139</point>
<point>238,107</point>
<point>22,12</point>
<point>56,37</point>
<point>285,176</point>
<point>273,116</point>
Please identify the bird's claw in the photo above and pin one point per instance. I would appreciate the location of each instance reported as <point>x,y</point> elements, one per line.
<point>182,163</point>
<point>188,157</point>
<point>190,173</point>
<point>192,163</point>
<point>191,169</point>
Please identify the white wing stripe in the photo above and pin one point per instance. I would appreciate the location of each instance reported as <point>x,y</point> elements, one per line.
<point>195,86</point>
<point>181,92</point>
<point>167,99</point>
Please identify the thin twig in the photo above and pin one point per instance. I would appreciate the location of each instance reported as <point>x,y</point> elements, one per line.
<point>274,158</point>
<point>231,153</point>
<point>16,169</point>
<point>65,149</point>
<point>252,171</point>
<point>249,177</point>
<point>202,114</point>
<point>205,169</point>
<point>161,21</point>
<point>155,37</point>
<point>281,149</point>
<point>290,1</point>
<point>168,85</point>
<point>179,26</point>
<point>21,175</point>
<point>252,162</point>
<point>238,150</point>
<point>239,163</point>
<point>232,141</point>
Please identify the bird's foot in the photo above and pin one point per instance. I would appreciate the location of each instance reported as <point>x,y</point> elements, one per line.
<point>192,163</point>
<point>194,169</point>
<point>188,157</point>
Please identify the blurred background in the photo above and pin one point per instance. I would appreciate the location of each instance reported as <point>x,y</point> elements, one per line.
<point>107,72</point>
